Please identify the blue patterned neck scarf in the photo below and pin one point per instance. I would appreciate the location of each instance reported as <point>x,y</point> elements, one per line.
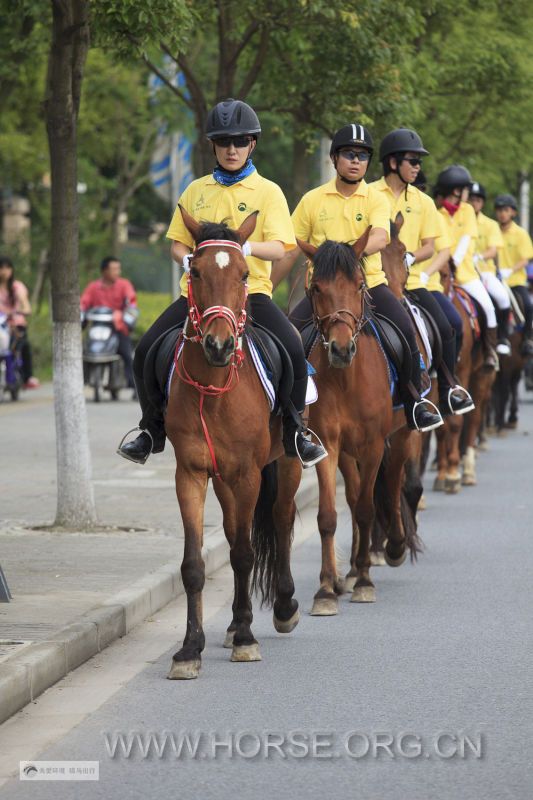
<point>227,178</point>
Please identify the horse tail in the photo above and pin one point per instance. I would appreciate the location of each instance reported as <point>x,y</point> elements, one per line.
<point>264,539</point>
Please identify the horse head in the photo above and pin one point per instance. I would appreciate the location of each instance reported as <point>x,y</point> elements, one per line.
<point>336,295</point>
<point>217,286</point>
<point>392,258</point>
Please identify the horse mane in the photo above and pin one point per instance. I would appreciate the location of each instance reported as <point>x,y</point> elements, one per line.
<point>393,230</point>
<point>332,257</point>
<point>216,230</point>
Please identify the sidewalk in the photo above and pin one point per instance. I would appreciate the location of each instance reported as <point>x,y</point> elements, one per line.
<point>75,593</point>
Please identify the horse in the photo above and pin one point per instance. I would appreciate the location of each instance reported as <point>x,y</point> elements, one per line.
<point>218,421</point>
<point>505,387</point>
<point>352,417</point>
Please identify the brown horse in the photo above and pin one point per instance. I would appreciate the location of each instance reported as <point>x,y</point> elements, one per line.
<point>353,417</point>
<point>216,409</point>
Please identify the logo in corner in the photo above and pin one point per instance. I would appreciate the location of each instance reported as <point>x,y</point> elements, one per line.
<point>358,217</point>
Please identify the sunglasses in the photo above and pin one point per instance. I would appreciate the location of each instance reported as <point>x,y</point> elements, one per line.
<point>236,141</point>
<point>414,162</point>
<point>352,155</point>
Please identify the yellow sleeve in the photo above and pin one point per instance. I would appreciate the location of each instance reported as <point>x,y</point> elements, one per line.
<point>301,221</point>
<point>430,227</point>
<point>525,246</point>
<point>277,224</point>
<point>379,212</point>
<point>471,222</point>
<point>177,230</point>
<point>443,240</point>
<point>495,238</point>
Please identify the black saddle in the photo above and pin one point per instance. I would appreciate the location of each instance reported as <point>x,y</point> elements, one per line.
<point>157,366</point>
<point>393,341</point>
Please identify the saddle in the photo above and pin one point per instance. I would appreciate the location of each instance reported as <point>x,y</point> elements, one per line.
<point>273,356</point>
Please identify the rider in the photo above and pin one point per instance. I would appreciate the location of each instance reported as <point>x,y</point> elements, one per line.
<point>341,210</point>
<point>229,194</point>
<point>488,244</point>
<point>15,304</point>
<point>450,192</point>
<point>401,153</point>
<point>118,294</point>
<point>516,253</point>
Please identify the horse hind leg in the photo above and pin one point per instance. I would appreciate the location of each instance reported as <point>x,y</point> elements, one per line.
<point>285,612</point>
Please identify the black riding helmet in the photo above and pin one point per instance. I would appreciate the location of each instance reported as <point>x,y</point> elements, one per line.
<point>349,136</point>
<point>454,177</point>
<point>478,190</point>
<point>401,140</point>
<point>503,200</point>
<point>232,118</point>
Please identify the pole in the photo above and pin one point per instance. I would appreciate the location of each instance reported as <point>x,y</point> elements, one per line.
<point>174,197</point>
<point>524,199</point>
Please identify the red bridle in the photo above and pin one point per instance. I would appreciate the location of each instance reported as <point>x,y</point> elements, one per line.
<point>198,319</point>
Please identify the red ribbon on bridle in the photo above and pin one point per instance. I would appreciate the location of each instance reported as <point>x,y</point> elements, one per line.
<point>198,320</point>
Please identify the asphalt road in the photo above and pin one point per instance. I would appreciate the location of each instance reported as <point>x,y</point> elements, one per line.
<point>425,695</point>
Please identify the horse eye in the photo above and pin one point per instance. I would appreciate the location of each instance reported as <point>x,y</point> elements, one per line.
<point>245,277</point>
<point>194,273</point>
<point>315,288</point>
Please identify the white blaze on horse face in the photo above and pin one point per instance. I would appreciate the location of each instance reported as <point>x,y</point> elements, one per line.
<point>222,259</point>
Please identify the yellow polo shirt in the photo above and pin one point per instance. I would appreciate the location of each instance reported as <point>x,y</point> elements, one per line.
<point>441,243</point>
<point>420,221</point>
<point>463,223</point>
<point>324,213</point>
<point>489,235</point>
<point>516,246</point>
<point>209,201</point>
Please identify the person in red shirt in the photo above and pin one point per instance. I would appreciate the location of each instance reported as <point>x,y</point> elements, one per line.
<point>115,292</point>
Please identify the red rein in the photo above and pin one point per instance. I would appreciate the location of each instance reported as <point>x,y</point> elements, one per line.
<point>197,319</point>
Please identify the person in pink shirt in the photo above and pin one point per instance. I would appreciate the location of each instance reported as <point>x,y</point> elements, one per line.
<point>15,304</point>
<point>113,291</point>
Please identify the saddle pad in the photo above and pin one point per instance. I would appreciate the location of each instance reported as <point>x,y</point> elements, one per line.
<point>311,393</point>
<point>421,327</point>
<point>393,372</point>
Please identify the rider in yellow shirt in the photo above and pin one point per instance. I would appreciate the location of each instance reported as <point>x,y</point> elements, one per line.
<point>232,192</point>
<point>401,153</point>
<point>451,191</point>
<point>517,251</point>
<point>489,245</point>
<point>341,210</point>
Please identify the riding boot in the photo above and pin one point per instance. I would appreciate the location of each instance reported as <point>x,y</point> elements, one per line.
<point>420,414</point>
<point>295,433</point>
<point>453,398</point>
<point>489,349</point>
<point>152,426</point>
<point>503,347</point>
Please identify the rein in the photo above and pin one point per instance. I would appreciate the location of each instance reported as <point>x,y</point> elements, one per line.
<point>355,324</point>
<point>200,322</point>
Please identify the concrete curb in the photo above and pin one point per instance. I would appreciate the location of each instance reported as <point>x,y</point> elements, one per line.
<point>28,673</point>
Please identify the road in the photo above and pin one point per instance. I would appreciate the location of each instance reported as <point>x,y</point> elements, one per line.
<point>424,695</point>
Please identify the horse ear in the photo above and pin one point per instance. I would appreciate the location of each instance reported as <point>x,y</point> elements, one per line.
<point>359,246</point>
<point>398,221</point>
<point>192,225</point>
<point>307,248</point>
<point>247,227</point>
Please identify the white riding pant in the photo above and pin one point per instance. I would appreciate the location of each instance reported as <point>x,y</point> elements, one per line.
<point>476,290</point>
<point>497,290</point>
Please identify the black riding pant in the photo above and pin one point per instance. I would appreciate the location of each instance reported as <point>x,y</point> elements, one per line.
<point>262,309</point>
<point>525,302</point>
<point>425,299</point>
<point>453,317</point>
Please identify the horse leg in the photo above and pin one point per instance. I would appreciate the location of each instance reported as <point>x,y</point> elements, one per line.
<point>325,600</point>
<point>452,480</point>
<point>364,590</point>
<point>286,614</point>
<point>352,483</point>
<point>395,548</point>
<point>512,422</point>
<point>191,490</point>
<point>441,435</point>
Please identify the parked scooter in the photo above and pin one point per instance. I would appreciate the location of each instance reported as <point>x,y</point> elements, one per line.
<point>10,362</point>
<point>103,367</point>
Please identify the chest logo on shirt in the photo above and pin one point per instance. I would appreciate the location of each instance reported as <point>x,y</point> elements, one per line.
<point>323,215</point>
<point>200,203</point>
<point>244,207</point>
<point>358,217</point>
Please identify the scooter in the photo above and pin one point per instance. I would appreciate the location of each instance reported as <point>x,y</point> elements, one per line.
<point>103,367</point>
<point>10,362</point>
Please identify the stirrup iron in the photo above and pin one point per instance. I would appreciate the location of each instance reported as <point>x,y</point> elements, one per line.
<point>421,402</point>
<point>467,395</point>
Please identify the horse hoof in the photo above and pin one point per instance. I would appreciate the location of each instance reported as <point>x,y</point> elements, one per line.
<point>511,425</point>
<point>228,641</point>
<point>289,625</point>
<point>339,585</point>
<point>438,484</point>
<point>469,480</point>
<point>184,670</point>
<point>395,562</point>
<point>349,581</point>
<point>501,434</point>
<point>377,559</point>
<point>483,446</point>
<point>363,594</point>
<point>452,485</point>
<point>246,652</point>
<point>325,607</point>
<point>422,503</point>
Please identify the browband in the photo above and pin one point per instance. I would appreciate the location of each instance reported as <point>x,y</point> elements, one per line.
<point>219,243</point>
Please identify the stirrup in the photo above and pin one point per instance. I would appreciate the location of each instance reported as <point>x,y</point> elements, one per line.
<point>468,397</point>
<point>143,430</point>
<point>421,402</point>
<point>306,465</point>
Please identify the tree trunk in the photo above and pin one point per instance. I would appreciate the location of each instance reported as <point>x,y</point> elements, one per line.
<point>70,42</point>
<point>302,165</point>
